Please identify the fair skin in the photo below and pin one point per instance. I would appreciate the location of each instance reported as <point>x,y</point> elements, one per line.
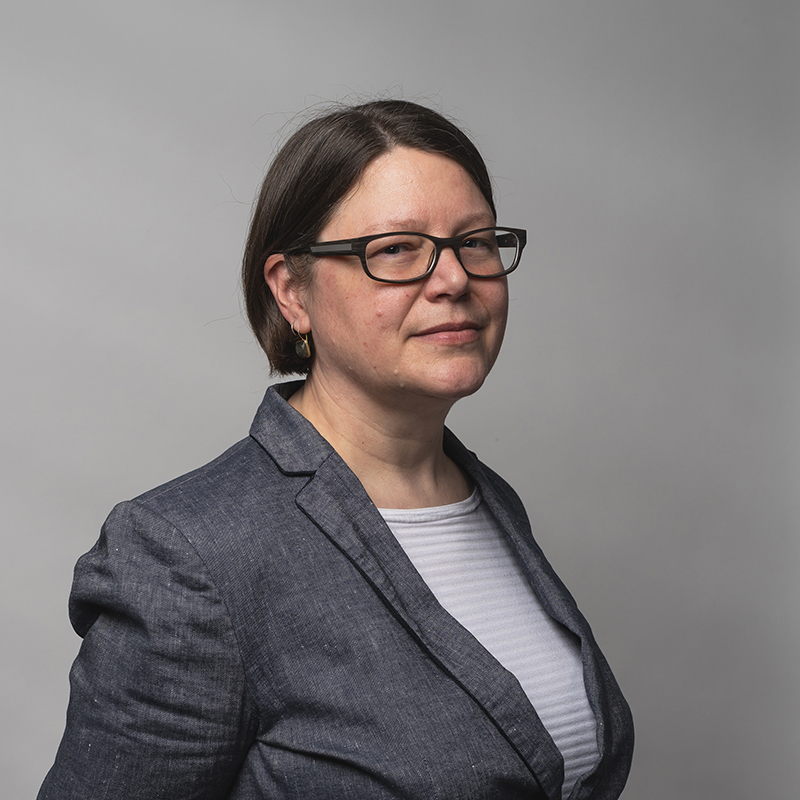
<point>391,360</point>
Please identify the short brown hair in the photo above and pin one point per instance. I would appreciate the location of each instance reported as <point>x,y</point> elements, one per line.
<point>312,172</point>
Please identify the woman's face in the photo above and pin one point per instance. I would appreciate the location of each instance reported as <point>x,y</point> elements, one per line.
<point>436,338</point>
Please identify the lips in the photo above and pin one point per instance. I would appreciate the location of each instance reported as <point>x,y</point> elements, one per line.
<point>451,333</point>
<point>450,327</point>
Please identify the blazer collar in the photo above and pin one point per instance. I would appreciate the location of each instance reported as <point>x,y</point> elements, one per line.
<point>287,436</point>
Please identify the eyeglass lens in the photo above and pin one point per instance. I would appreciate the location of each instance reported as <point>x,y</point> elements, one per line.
<point>406,256</point>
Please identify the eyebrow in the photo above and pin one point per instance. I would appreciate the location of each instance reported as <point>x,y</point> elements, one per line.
<point>471,222</point>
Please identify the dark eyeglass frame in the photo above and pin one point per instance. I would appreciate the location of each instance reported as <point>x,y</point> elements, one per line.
<point>358,247</point>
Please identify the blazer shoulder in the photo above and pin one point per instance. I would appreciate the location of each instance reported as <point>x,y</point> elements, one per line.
<point>218,471</point>
<point>221,508</point>
<point>241,475</point>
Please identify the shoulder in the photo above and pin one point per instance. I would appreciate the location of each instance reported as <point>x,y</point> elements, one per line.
<point>221,512</point>
<point>225,481</point>
<point>251,480</point>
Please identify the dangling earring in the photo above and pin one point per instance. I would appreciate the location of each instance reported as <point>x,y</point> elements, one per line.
<point>301,346</point>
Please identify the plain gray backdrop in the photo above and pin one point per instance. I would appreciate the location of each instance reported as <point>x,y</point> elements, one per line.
<point>644,406</point>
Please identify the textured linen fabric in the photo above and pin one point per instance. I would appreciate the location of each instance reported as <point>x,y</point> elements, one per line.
<point>253,630</point>
<point>461,554</point>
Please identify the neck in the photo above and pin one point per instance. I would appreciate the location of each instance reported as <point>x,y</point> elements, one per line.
<point>394,449</point>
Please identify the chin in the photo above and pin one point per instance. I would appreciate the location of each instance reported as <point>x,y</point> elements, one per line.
<point>453,384</point>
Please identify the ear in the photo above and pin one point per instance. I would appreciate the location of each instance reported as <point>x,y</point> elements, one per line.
<point>284,289</point>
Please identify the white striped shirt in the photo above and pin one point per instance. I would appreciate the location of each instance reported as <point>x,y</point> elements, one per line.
<point>465,560</point>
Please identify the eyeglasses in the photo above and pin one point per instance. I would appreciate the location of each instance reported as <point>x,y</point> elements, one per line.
<point>405,256</point>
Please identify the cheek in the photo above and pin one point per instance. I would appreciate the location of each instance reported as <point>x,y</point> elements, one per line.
<point>391,309</point>
<point>503,299</point>
<point>503,311</point>
<point>497,305</point>
<point>495,299</point>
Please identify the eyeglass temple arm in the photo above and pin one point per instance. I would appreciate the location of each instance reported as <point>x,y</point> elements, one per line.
<point>331,249</point>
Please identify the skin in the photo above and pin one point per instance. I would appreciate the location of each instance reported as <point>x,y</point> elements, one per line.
<point>391,360</point>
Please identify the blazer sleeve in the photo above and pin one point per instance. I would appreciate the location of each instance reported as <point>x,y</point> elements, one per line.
<point>159,705</point>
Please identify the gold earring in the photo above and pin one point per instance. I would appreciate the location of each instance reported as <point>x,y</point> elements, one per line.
<point>301,346</point>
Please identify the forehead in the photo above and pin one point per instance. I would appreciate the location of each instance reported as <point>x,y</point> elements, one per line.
<point>409,189</point>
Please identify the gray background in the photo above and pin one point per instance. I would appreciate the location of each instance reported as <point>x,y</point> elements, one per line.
<point>645,404</point>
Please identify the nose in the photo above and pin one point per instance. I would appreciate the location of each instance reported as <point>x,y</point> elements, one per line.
<point>448,276</point>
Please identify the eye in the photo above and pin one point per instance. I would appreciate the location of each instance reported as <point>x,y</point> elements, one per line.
<point>394,246</point>
<point>394,249</point>
<point>398,256</point>
<point>487,243</point>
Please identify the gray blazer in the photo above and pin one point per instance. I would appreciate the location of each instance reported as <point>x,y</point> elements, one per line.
<point>253,630</point>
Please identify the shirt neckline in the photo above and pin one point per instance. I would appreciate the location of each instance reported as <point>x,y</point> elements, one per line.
<point>433,513</point>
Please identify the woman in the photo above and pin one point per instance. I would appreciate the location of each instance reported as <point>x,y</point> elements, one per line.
<point>347,604</point>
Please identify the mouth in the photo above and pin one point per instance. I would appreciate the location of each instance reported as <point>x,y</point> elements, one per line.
<point>451,332</point>
<point>450,327</point>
